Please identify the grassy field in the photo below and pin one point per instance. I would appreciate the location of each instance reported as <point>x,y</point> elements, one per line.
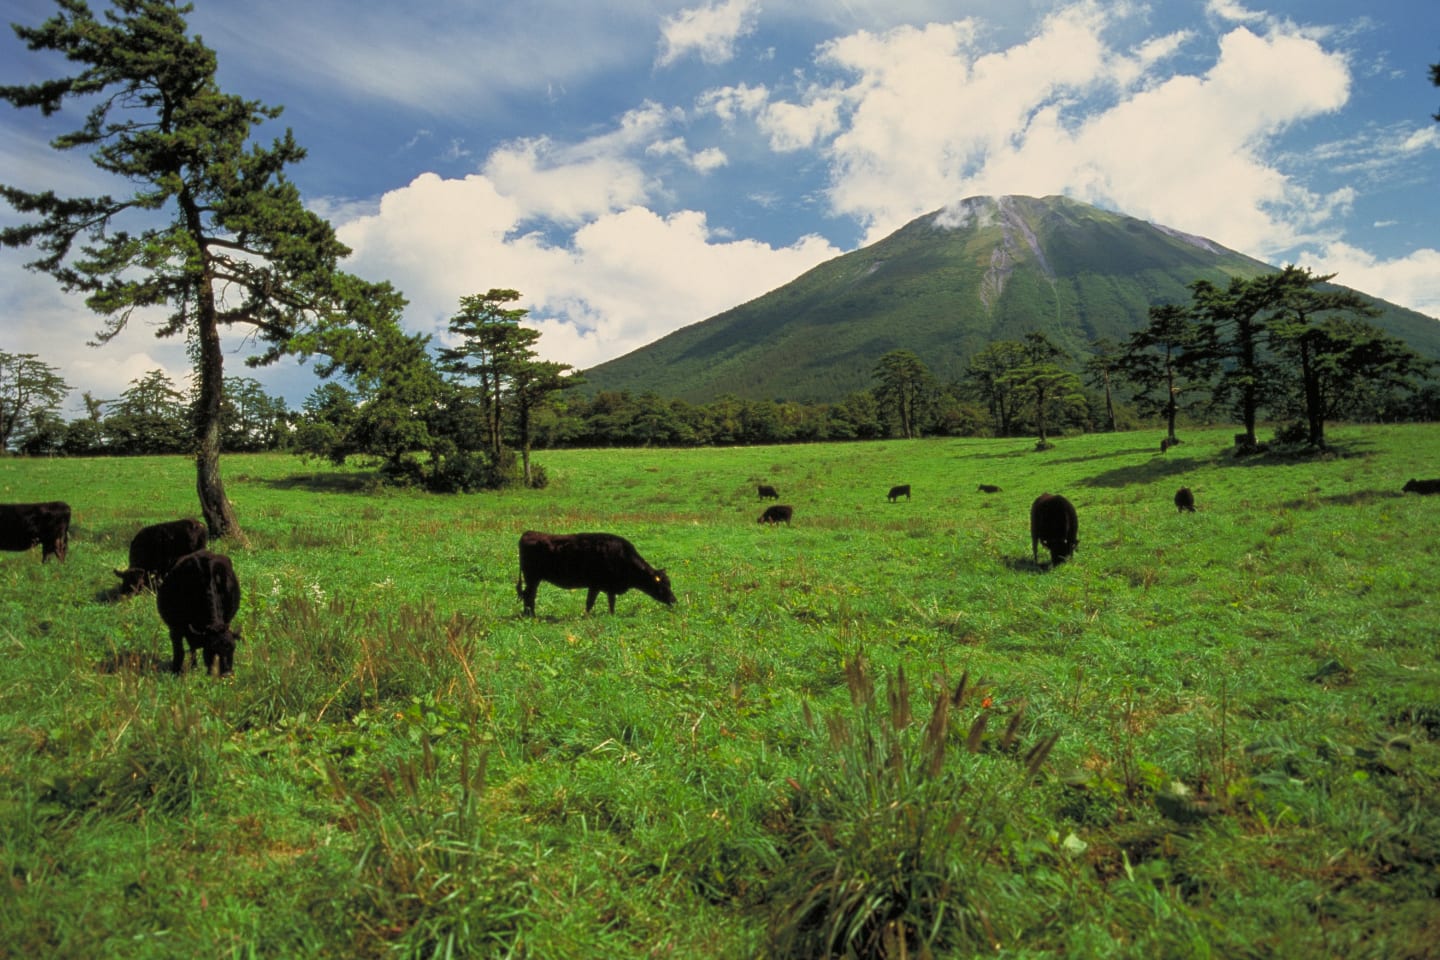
<point>882,729</point>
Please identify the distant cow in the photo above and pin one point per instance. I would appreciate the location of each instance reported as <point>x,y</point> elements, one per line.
<point>1184,500</point>
<point>155,549</point>
<point>989,488</point>
<point>1164,444</point>
<point>22,525</point>
<point>1053,523</point>
<point>1414,486</point>
<point>780,513</point>
<point>599,562</point>
<point>768,492</point>
<point>903,490</point>
<point>197,600</point>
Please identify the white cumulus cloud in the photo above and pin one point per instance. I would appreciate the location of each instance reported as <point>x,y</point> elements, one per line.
<point>710,32</point>
<point>624,279</point>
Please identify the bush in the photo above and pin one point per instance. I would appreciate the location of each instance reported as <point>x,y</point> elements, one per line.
<point>1292,434</point>
<point>405,472</point>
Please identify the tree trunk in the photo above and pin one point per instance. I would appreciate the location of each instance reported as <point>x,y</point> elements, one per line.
<point>1109,402</point>
<point>214,505</point>
<point>523,411</point>
<point>1171,406</point>
<point>1249,393</point>
<point>1314,410</point>
<point>1040,415</point>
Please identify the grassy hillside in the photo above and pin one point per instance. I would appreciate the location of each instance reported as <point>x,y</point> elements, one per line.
<point>944,287</point>
<point>1243,705</point>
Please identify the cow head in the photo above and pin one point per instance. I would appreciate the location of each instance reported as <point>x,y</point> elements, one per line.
<point>657,585</point>
<point>1061,550</point>
<point>219,647</point>
<point>132,580</point>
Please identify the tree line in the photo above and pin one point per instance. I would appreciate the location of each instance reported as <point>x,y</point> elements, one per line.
<point>1285,345</point>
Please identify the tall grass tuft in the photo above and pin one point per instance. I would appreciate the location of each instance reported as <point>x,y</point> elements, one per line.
<point>164,758</point>
<point>432,880</point>
<point>895,834</point>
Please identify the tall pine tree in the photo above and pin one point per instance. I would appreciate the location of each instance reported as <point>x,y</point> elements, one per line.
<point>213,232</point>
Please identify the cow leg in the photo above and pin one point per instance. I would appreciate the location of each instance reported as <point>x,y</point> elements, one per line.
<point>590,596</point>
<point>1035,550</point>
<point>177,647</point>
<point>611,598</point>
<point>526,590</point>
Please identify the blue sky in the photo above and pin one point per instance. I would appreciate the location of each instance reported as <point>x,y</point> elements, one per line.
<point>638,165</point>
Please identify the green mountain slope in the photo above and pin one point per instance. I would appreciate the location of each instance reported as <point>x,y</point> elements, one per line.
<point>945,286</point>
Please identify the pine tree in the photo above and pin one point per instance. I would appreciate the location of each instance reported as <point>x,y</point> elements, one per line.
<point>213,233</point>
<point>906,389</point>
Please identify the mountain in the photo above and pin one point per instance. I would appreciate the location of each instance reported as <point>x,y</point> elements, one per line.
<point>944,286</point>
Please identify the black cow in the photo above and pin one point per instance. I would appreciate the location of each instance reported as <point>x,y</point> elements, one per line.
<point>22,525</point>
<point>1419,486</point>
<point>1164,444</point>
<point>779,513</point>
<point>599,562</point>
<point>1184,500</point>
<point>989,488</point>
<point>1053,523</point>
<point>902,490</point>
<point>768,492</point>
<point>197,600</point>
<point>155,549</point>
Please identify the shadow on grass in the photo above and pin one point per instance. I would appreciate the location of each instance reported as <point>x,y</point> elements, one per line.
<point>1156,469</point>
<point>133,661</point>
<point>1032,452</point>
<point>116,593</point>
<point>1351,499</point>
<point>326,482</point>
<point>1023,565</point>
<point>1109,455</point>
<point>1288,455</point>
<point>1161,466</point>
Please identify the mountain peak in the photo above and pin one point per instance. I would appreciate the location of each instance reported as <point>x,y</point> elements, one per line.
<point>944,286</point>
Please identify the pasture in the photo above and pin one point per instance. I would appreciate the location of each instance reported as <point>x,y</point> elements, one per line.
<point>880,726</point>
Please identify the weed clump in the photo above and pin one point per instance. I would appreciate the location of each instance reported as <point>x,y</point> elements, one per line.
<point>895,838</point>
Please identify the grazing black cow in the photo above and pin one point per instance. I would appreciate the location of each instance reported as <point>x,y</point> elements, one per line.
<point>1053,523</point>
<point>22,525</point>
<point>768,492</point>
<point>197,600</point>
<point>902,490</point>
<point>1184,500</point>
<point>599,562</point>
<point>779,513</point>
<point>1422,486</point>
<point>155,549</point>
<point>989,488</point>
<point>1164,444</point>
